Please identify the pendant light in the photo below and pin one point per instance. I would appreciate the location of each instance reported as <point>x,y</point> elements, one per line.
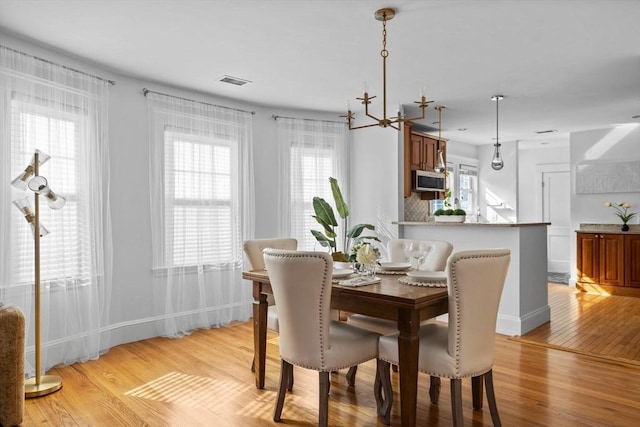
<point>496,162</point>
<point>440,167</point>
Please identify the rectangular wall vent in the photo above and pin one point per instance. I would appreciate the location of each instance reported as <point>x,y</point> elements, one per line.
<point>233,80</point>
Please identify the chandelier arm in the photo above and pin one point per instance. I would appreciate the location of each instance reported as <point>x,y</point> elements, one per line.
<point>363,126</point>
<point>409,119</point>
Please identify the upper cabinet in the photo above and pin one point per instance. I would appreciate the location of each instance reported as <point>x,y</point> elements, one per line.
<point>420,153</point>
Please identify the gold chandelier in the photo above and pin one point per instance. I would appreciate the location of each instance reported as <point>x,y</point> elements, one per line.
<point>384,15</point>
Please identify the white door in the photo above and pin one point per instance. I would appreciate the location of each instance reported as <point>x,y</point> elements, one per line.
<point>555,191</point>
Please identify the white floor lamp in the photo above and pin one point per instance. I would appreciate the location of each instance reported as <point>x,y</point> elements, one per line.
<point>40,385</point>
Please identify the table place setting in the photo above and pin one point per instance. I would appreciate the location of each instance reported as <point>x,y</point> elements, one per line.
<point>432,279</point>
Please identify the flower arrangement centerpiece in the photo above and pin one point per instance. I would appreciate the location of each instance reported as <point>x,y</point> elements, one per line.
<point>365,256</point>
<point>328,237</point>
<point>622,212</point>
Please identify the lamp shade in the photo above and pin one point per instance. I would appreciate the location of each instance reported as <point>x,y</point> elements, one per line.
<point>20,182</point>
<point>24,206</point>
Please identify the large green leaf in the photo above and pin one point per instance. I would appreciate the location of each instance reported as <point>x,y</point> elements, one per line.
<point>324,211</point>
<point>323,240</point>
<point>328,230</point>
<point>357,230</point>
<point>341,205</point>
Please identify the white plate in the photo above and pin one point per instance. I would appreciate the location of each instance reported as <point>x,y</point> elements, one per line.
<point>395,266</point>
<point>428,276</point>
<point>341,272</point>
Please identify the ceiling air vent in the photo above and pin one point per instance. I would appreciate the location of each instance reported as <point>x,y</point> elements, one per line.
<point>233,80</point>
<point>539,132</point>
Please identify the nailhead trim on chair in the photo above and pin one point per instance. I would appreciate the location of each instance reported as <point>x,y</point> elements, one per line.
<point>455,289</point>
<point>307,255</point>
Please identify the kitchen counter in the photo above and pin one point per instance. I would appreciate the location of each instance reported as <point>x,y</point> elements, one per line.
<point>472,224</point>
<point>608,229</point>
<point>524,303</point>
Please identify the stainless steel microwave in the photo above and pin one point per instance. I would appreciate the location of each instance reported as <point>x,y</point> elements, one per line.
<point>429,181</point>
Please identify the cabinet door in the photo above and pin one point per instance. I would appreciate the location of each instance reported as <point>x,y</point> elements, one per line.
<point>632,260</point>
<point>431,152</point>
<point>612,259</point>
<point>417,152</point>
<point>588,260</point>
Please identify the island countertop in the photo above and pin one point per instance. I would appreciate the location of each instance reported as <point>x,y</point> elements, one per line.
<point>472,224</point>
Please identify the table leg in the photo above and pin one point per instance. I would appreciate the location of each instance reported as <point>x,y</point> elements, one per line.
<point>408,325</point>
<point>260,307</point>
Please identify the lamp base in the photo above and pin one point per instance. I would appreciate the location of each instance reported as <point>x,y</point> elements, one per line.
<point>48,384</point>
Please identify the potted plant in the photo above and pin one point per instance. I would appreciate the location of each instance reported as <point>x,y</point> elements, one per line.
<point>622,212</point>
<point>450,215</point>
<point>326,218</point>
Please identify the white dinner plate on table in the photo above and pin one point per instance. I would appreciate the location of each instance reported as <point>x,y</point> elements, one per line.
<point>339,273</point>
<point>395,266</point>
<point>428,276</point>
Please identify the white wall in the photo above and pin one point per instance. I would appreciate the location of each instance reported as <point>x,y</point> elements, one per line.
<point>376,179</point>
<point>607,145</point>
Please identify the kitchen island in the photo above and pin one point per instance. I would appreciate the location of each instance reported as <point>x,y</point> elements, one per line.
<point>524,304</point>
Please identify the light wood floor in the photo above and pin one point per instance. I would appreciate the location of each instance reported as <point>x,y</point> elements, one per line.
<point>204,380</point>
<point>591,323</point>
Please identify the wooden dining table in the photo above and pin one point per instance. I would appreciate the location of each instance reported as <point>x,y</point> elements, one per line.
<point>389,299</point>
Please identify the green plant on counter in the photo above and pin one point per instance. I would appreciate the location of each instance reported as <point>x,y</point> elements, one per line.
<point>447,212</point>
<point>325,216</point>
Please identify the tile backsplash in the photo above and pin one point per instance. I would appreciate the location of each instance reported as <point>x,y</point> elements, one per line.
<point>416,209</point>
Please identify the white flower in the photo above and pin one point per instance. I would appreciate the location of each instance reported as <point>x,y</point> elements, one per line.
<point>607,204</point>
<point>367,255</point>
<point>627,205</point>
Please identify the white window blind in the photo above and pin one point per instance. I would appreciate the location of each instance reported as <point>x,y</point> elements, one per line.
<point>199,208</point>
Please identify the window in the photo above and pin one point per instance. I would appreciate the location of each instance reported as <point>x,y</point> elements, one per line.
<point>312,152</point>
<point>201,199</point>
<point>198,188</point>
<point>468,188</point>
<point>65,256</point>
<point>309,179</point>
<point>462,180</point>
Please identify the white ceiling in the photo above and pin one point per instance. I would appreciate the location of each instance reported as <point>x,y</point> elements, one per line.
<point>567,65</point>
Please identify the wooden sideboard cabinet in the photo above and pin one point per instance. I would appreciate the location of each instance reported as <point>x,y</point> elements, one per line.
<point>421,153</point>
<point>608,259</point>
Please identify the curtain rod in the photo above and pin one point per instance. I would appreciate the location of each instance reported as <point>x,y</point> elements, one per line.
<point>145,91</point>
<point>275,117</point>
<point>111,82</point>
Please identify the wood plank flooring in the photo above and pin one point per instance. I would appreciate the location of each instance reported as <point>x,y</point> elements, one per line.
<point>205,380</point>
<point>591,323</point>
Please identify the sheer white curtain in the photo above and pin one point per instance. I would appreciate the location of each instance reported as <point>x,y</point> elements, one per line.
<point>64,114</point>
<point>201,177</point>
<point>311,152</point>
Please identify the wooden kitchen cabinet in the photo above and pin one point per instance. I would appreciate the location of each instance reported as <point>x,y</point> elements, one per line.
<point>420,153</point>
<point>632,260</point>
<point>608,259</point>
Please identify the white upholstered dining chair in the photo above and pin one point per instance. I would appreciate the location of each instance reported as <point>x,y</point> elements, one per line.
<point>301,283</point>
<point>253,250</point>
<point>463,347</point>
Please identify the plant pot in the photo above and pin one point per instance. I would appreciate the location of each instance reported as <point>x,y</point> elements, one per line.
<point>625,227</point>
<point>450,218</point>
